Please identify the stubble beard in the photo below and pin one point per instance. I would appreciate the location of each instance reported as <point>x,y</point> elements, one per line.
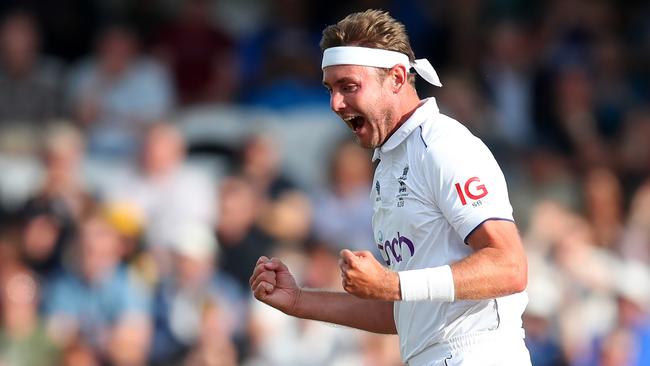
<point>382,128</point>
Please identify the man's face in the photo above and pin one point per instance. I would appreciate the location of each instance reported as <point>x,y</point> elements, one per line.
<point>362,99</point>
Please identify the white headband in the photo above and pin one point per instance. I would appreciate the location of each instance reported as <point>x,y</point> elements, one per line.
<point>374,57</point>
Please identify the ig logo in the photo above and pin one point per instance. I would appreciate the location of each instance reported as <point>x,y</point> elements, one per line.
<point>474,192</point>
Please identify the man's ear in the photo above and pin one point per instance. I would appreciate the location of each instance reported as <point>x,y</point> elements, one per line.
<point>398,76</point>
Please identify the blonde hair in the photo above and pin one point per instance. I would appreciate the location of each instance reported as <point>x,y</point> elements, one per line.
<point>371,28</point>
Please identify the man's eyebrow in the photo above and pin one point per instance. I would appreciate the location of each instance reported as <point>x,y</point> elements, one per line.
<point>339,81</point>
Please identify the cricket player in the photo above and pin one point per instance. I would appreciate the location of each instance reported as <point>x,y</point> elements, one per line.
<point>454,272</point>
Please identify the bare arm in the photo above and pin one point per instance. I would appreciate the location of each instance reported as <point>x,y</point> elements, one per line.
<point>498,266</point>
<point>342,308</point>
<point>273,284</point>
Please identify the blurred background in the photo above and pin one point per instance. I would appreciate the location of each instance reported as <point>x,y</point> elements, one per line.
<point>151,150</point>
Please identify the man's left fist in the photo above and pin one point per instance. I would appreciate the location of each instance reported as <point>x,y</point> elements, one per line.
<point>363,276</point>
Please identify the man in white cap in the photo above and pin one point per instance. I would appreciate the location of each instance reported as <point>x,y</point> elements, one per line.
<point>455,274</point>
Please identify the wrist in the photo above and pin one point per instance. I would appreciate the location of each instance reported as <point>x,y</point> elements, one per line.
<point>432,284</point>
<point>294,307</point>
<point>392,282</point>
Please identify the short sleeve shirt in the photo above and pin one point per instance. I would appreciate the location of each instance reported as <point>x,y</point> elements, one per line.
<point>434,185</point>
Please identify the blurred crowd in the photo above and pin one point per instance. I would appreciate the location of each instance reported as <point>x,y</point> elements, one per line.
<point>149,263</point>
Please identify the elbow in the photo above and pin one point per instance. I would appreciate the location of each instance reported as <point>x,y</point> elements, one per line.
<point>520,282</point>
<point>518,276</point>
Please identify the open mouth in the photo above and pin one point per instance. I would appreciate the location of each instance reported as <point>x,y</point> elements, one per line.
<point>355,122</point>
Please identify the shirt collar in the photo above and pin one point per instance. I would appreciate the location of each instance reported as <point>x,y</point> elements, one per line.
<point>421,114</point>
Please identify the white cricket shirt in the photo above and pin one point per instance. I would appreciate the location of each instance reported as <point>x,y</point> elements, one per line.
<point>436,183</point>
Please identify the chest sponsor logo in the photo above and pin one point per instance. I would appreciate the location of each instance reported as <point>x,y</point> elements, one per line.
<point>472,189</point>
<point>394,249</point>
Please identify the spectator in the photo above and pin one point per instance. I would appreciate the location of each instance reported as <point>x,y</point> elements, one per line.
<point>98,300</point>
<point>260,164</point>
<point>284,212</point>
<point>604,207</point>
<point>214,347</point>
<point>575,108</point>
<point>187,295</point>
<point>167,193</point>
<point>241,239</point>
<point>613,94</point>
<point>510,76</point>
<point>51,213</point>
<point>62,156</point>
<point>344,213</point>
<point>23,340</point>
<point>30,83</point>
<point>288,219</point>
<point>117,92</point>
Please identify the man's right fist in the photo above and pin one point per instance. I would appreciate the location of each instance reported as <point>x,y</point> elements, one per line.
<point>273,284</point>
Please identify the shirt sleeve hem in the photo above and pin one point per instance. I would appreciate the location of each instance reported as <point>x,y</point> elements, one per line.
<point>481,223</point>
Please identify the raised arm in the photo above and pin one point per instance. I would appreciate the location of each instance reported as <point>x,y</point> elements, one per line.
<point>273,284</point>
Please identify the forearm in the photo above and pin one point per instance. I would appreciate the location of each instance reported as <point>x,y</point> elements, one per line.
<point>344,309</point>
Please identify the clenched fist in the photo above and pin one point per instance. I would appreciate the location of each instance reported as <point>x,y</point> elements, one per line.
<point>273,284</point>
<point>363,276</point>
